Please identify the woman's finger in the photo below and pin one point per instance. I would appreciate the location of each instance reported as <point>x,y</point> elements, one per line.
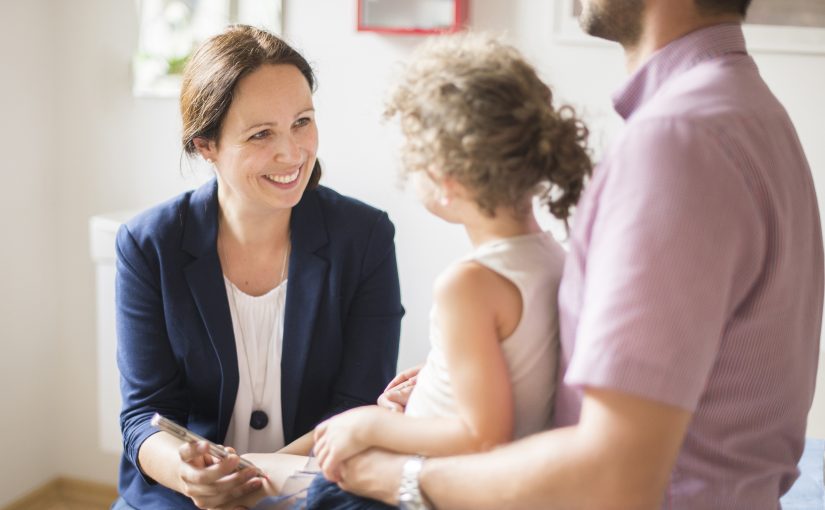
<point>194,475</point>
<point>225,490</point>
<point>227,498</point>
<point>193,452</point>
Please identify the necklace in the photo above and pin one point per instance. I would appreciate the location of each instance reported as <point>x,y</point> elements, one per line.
<point>258,420</point>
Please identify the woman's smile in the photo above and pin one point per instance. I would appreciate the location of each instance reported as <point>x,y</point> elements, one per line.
<point>284,180</point>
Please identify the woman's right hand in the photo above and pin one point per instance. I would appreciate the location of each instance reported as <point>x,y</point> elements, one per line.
<point>397,392</point>
<point>212,482</point>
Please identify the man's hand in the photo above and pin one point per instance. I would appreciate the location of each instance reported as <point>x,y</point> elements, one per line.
<point>373,474</point>
<point>397,392</point>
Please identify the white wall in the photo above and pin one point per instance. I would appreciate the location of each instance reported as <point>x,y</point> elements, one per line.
<point>112,152</point>
<point>799,82</point>
<point>89,147</point>
<point>28,258</point>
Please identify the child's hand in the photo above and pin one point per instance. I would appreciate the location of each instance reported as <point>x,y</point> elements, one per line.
<point>341,437</point>
<point>397,392</point>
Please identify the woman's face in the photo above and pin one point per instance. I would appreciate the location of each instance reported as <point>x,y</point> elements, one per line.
<point>267,144</point>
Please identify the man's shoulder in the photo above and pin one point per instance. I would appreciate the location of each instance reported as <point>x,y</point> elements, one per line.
<point>712,95</point>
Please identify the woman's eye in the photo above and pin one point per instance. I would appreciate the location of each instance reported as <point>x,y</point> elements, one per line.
<point>260,135</point>
<point>302,122</point>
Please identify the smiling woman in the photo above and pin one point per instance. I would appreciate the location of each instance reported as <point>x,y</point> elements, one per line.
<point>253,308</point>
<point>266,158</point>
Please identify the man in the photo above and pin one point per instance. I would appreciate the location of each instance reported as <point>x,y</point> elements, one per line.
<point>691,302</point>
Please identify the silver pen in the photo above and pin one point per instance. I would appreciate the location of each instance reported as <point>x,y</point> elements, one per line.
<point>188,436</point>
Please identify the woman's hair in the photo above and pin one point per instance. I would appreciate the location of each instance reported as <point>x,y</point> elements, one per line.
<point>213,72</point>
<point>473,109</point>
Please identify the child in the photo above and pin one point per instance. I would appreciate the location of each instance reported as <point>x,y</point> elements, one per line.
<point>482,140</point>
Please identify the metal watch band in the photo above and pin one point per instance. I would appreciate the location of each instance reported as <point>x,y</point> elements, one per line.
<point>409,492</point>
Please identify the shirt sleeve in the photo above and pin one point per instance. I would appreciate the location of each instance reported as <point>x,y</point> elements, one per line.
<point>150,379</point>
<point>674,246</point>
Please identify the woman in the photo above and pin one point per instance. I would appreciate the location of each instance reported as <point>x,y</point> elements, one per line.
<point>258,305</point>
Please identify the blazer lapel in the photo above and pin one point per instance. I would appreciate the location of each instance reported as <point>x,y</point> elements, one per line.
<point>205,279</point>
<point>307,274</point>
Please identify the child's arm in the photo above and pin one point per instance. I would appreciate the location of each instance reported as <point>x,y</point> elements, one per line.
<point>475,309</point>
<point>301,446</point>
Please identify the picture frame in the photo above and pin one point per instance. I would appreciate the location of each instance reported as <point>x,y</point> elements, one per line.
<point>411,17</point>
<point>772,26</point>
<point>170,30</point>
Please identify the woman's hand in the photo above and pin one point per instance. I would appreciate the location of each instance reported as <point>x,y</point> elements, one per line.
<point>343,436</point>
<point>397,392</point>
<point>211,482</point>
<point>278,468</point>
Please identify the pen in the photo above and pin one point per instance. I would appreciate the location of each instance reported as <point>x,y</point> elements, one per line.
<point>188,436</point>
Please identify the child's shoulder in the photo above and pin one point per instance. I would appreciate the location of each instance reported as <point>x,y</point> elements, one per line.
<point>465,277</point>
<point>470,285</point>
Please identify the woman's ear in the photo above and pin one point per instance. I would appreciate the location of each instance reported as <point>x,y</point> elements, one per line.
<point>207,148</point>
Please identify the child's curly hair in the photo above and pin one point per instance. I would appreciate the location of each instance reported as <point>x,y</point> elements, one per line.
<point>471,107</point>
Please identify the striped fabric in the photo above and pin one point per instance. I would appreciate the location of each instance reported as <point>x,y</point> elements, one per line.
<point>695,275</point>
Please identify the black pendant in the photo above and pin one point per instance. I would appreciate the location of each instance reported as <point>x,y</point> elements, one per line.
<point>258,420</point>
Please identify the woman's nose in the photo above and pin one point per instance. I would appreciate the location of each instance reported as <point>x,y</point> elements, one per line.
<point>287,149</point>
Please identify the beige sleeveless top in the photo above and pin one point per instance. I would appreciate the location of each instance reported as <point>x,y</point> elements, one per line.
<point>534,264</point>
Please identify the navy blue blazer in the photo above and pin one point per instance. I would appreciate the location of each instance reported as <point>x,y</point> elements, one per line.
<point>176,347</point>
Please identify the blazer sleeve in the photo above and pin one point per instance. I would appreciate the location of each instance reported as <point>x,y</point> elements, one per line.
<point>372,326</point>
<point>151,379</point>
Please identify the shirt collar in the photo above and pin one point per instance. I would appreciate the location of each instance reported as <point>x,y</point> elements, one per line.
<point>674,59</point>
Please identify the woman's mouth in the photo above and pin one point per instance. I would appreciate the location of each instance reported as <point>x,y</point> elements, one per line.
<point>284,179</point>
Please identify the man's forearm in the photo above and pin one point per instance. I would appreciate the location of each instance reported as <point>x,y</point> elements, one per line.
<point>542,471</point>
<point>619,456</point>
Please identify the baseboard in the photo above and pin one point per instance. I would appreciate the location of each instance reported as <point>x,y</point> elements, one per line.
<point>67,494</point>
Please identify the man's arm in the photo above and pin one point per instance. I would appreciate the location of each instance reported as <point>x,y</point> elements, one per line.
<point>619,456</point>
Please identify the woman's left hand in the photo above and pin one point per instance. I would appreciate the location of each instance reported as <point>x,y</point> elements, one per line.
<point>343,436</point>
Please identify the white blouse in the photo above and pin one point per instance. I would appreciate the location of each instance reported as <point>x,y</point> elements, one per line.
<point>258,324</point>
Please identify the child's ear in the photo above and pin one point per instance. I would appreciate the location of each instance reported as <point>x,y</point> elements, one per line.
<point>452,189</point>
<point>206,148</point>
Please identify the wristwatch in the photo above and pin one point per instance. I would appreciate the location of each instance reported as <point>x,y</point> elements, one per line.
<point>409,493</point>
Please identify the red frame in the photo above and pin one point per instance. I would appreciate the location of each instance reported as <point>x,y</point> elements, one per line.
<point>459,19</point>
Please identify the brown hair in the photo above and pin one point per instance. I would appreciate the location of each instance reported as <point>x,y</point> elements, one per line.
<point>214,70</point>
<point>474,109</point>
<point>724,6</point>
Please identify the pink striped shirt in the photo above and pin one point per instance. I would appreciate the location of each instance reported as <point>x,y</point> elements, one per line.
<point>695,274</point>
